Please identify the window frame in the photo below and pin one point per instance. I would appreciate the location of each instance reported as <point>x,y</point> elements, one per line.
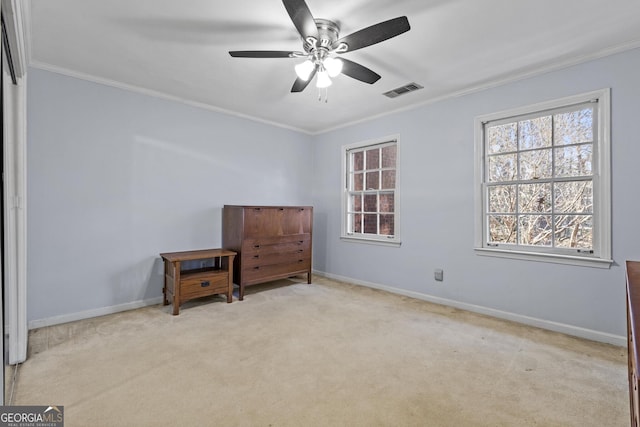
<point>601,173</point>
<point>395,240</point>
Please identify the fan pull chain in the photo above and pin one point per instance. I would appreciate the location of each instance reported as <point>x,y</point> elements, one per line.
<point>326,95</point>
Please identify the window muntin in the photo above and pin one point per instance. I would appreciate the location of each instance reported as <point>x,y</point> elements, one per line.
<point>544,180</point>
<point>370,191</point>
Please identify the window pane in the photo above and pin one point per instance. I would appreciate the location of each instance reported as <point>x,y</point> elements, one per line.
<point>358,181</point>
<point>502,198</point>
<point>574,231</point>
<point>387,225</point>
<point>389,156</point>
<point>371,203</point>
<point>356,203</point>
<point>535,230</point>
<point>534,198</point>
<point>502,138</point>
<point>373,158</point>
<point>373,180</point>
<point>535,164</point>
<point>387,201</point>
<point>574,127</point>
<point>358,161</point>
<point>535,133</point>
<point>356,223</point>
<point>388,179</point>
<point>574,161</point>
<point>502,229</point>
<point>574,197</point>
<point>502,168</point>
<point>371,223</point>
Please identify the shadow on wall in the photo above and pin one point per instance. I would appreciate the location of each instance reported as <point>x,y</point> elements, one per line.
<point>140,282</point>
<point>319,250</point>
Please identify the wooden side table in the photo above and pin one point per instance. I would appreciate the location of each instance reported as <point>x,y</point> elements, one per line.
<point>184,285</point>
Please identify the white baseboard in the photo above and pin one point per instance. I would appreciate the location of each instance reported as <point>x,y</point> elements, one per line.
<point>88,314</point>
<point>514,317</point>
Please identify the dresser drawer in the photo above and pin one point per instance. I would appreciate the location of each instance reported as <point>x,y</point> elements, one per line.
<point>277,221</point>
<point>276,257</point>
<point>302,240</point>
<point>255,249</point>
<point>262,273</point>
<point>204,284</point>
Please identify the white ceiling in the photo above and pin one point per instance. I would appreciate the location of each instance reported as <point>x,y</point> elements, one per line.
<point>179,49</point>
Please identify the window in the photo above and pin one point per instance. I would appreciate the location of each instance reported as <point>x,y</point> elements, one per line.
<point>370,202</point>
<point>542,175</point>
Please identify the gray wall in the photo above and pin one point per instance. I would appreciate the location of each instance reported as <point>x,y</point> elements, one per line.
<point>437,212</point>
<point>115,178</point>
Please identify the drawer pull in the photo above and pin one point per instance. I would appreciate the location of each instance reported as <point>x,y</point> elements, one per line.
<point>256,268</point>
<point>300,242</point>
<point>205,284</point>
<point>256,256</point>
<point>300,260</point>
<point>300,251</point>
<point>256,246</point>
<point>281,209</point>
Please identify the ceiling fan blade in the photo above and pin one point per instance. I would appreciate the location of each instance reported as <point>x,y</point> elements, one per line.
<point>302,18</point>
<point>374,34</point>
<point>358,72</point>
<point>261,54</point>
<point>299,85</point>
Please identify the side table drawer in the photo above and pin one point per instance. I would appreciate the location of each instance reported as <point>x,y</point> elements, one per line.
<point>192,287</point>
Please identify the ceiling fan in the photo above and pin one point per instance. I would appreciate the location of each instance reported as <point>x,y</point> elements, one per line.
<point>320,44</point>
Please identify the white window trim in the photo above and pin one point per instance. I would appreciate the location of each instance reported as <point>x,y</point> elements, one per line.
<point>396,240</point>
<point>601,184</point>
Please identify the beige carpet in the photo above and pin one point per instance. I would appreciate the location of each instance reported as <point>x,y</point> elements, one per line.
<point>326,354</point>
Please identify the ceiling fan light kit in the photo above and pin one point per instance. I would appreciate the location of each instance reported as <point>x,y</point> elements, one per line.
<point>321,43</point>
<point>323,80</point>
<point>304,69</point>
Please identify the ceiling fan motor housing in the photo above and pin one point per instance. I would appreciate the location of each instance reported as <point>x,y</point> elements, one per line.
<point>327,35</point>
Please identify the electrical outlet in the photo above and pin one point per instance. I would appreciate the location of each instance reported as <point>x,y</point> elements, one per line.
<point>438,274</point>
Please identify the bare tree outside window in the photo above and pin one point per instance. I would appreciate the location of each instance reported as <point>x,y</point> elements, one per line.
<point>539,179</point>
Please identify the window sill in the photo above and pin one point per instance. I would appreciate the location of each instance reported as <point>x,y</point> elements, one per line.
<point>542,257</point>
<point>351,239</point>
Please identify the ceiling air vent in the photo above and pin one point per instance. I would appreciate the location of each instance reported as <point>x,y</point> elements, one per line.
<point>409,87</point>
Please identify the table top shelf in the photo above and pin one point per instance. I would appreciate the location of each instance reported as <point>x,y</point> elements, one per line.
<point>198,254</point>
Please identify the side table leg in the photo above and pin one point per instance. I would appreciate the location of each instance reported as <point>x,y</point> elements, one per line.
<point>176,288</point>
<point>226,263</point>
<point>165,300</point>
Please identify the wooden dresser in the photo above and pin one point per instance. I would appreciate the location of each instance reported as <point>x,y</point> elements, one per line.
<point>633,329</point>
<point>272,242</point>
